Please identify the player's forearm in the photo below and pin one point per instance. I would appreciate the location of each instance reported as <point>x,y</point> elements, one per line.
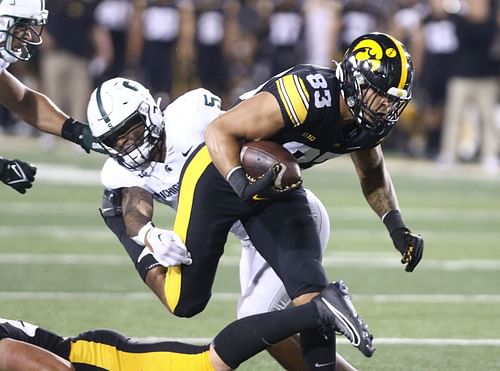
<point>137,206</point>
<point>224,149</point>
<point>379,191</point>
<point>40,112</point>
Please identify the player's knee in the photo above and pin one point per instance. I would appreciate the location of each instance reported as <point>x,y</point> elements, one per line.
<point>191,309</point>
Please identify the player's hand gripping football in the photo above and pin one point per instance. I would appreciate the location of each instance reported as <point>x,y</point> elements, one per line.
<point>410,245</point>
<point>17,174</point>
<point>246,188</point>
<point>267,185</point>
<point>167,247</point>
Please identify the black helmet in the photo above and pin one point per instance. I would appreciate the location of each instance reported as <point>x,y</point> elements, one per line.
<point>377,79</point>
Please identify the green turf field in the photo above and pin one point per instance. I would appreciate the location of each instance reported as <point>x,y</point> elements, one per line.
<point>60,267</point>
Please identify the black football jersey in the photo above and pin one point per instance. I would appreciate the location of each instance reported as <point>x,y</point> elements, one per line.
<point>308,96</point>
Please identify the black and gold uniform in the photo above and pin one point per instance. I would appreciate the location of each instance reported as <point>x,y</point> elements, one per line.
<point>99,350</point>
<point>283,232</point>
<point>308,96</point>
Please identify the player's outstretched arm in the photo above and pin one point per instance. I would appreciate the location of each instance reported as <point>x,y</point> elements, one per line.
<point>40,112</point>
<point>379,191</point>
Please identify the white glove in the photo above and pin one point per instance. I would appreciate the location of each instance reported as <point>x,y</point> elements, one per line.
<point>167,247</point>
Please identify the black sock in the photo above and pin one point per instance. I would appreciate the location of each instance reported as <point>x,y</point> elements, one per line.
<point>318,348</point>
<point>248,336</point>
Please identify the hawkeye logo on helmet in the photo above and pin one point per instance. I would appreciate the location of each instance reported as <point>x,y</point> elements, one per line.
<point>372,51</point>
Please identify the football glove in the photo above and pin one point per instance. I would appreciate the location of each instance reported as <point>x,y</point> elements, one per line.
<point>410,245</point>
<point>18,174</point>
<point>246,188</point>
<point>167,247</point>
<point>79,133</point>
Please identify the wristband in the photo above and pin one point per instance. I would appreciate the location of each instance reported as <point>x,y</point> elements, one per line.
<point>72,130</point>
<point>393,220</point>
<point>232,171</point>
<point>237,179</point>
<point>140,239</point>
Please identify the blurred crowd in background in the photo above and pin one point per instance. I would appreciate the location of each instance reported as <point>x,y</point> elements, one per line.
<point>230,46</point>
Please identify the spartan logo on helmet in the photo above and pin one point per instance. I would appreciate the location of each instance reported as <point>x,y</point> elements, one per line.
<point>21,25</point>
<point>377,80</point>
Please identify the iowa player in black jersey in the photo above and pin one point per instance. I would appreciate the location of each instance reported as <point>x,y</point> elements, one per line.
<point>26,347</point>
<point>319,113</point>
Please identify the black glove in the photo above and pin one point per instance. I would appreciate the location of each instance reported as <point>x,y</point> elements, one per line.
<point>79,133</point>
<point>246,189</point>
<point>17,174</point>
<point>410,245</point>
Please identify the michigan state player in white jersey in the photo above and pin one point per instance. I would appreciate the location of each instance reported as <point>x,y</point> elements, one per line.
<point>151,169</point>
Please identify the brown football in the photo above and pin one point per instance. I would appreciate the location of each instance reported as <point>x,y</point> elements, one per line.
<point>258,157</point>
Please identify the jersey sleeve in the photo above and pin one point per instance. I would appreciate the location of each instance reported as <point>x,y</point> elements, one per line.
<point>18,330</point>
<point>3,331</point>
<point>115,176</point>
<point>195,109</point>
<point>293,94</point>
<point>304,94</point>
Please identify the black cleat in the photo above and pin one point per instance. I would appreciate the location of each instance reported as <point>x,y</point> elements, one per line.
<point>336,309</point>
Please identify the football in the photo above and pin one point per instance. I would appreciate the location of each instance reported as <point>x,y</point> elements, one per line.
<point>258,157</point>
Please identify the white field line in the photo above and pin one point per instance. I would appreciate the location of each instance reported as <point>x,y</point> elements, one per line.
<point>338,259</point>
<point>64,174</point>
<point>398,166</point>
<point>233,297</point>
<point>377,341</point>
<point>92,233</point>
<point>337,213</point>
<point>59,232</point>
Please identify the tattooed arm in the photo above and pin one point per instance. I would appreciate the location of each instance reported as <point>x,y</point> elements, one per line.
<point>379,191</point>
<point>137,206</point>
<point>375,180</point>
<point>166,246</point>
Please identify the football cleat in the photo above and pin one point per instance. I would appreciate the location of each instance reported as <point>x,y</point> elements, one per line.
<point>336,309</point>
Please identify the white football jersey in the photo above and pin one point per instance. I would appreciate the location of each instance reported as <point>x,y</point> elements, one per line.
<point>3,64</point>
<point>185,122</point>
